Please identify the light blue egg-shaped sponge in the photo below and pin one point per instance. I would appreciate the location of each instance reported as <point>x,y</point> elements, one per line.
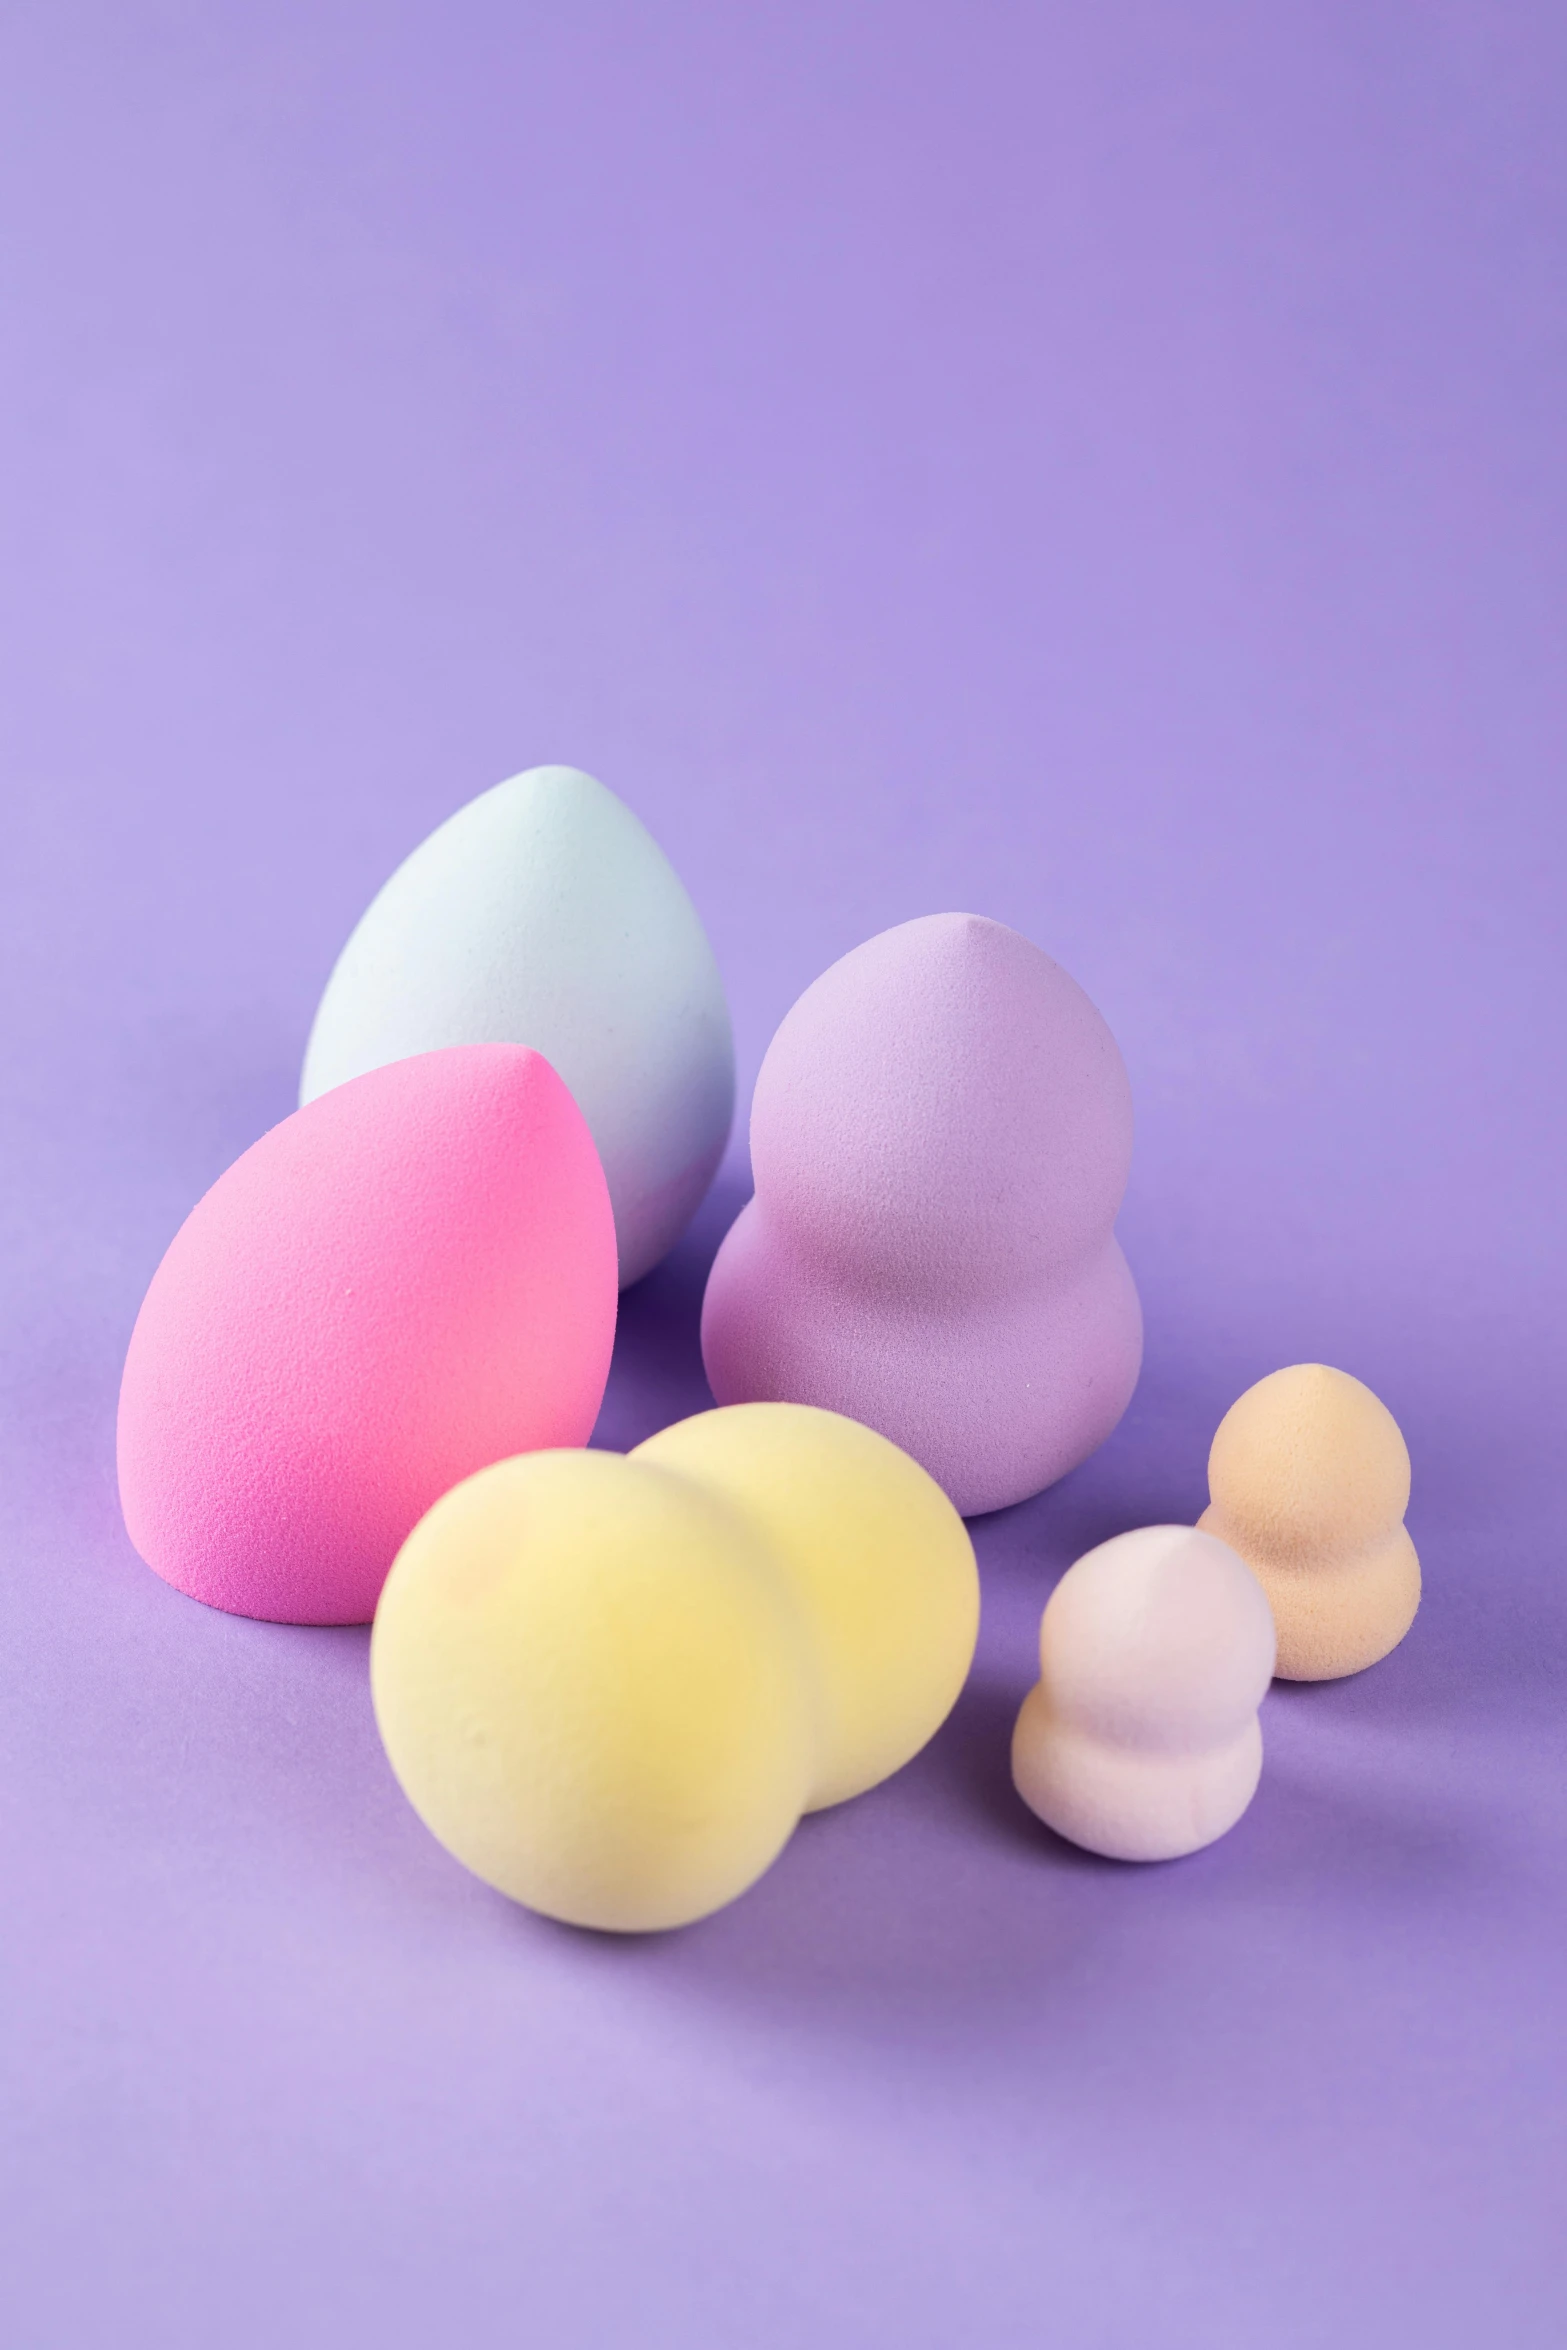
<point>545,914</point>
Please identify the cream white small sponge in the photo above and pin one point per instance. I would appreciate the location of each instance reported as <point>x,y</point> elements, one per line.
<point>610,1686</point>
<point>1309,1479</point>
<point>544,914</point>
<point>1140,1739</point>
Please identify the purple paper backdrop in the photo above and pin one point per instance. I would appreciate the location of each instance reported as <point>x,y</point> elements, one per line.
<point>1102,467</point>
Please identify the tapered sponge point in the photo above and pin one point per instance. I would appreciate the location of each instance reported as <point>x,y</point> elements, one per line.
<point>408,1279</point>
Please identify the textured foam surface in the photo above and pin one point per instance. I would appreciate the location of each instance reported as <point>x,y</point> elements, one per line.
<point>543,913</point>
<point>611,1686</point>
<point>1140,1738</point>
<point>410,1278</point>
<point>940,1137</point>
<point>1102,465</point>
<point>1309,1481</point>
<point>878,1560</point>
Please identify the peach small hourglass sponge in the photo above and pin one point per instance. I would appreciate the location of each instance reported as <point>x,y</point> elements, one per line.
<point>941,1135</point>
<point>1140,1739</point>
<point>610,1686</point>
<point>1309,1478</point>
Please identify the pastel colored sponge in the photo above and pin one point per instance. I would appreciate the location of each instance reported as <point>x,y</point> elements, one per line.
<point>610,1686</point>
<point>544,914</point>
<point>1140,1739</point>
<point>878,1561</point>
<point>940,1137</point>
<point>407,1280</point>
<point>1309,1479</point>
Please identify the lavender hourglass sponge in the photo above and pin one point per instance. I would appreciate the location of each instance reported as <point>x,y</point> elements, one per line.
<point>940,1136</point>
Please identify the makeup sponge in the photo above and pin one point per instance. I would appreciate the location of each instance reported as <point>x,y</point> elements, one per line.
<point>877,1560</point>
<point>544,914</point>
<point>1309,1479</point>
<point>940,1138</point>
<point>610,1686</point>
<point>408,1279</point>
<point>1140,1739</point>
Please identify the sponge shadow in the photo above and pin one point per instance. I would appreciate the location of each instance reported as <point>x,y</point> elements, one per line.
<point>656,1376</point>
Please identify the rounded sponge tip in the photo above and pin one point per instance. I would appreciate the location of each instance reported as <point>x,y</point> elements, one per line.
<point>1140,1739</point>
<point>1309,1482</point>
<point>408,1279</point>
<point>611,1686</point>
<point>940,1135</point>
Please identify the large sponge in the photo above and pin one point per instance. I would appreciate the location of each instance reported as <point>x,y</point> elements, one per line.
<point>940,1136</point>
<point>410,1278</point>
<point>544,914</point>
<point>1309,1479</point>
<point>611,1686</point>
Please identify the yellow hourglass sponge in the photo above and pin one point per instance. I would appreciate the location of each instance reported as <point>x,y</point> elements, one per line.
<point>1309,1479</point>
<point>610,1686</point>
<point>876,1558</point>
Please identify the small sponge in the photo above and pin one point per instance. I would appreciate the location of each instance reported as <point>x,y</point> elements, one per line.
<point>941,1135</point>
<point>1309,1478</point>
<point>408,1279</point>
<point>1140,1739</point>
<point>611,1686</point>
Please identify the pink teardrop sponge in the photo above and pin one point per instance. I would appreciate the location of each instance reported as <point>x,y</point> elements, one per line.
<point>941,1134</point>
<point>412,1277</point>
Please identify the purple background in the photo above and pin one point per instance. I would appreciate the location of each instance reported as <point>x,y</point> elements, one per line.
<point>1102,467</point>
